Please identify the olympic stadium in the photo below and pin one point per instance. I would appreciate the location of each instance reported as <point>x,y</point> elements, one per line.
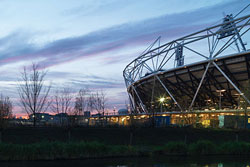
<point>206,70</point>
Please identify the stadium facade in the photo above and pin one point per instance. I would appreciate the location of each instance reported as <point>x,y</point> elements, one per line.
<point>206,70</point>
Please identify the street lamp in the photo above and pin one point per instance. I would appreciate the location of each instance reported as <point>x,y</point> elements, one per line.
<point>161,100</point>
<point>220,91</point>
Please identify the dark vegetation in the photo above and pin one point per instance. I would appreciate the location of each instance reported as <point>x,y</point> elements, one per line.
<point>121,136</point>
<point>85,150</point>
<point>61,150</point>
<point>204,147</point>
<point>29,143</point>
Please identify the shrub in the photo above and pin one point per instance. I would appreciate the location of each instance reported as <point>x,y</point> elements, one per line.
<point>175,148</point>
<point>59,150</point>
<point>203,148</point>
<point>235,148</point>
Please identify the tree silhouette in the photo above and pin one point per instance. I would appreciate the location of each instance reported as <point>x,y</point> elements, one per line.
<point>32,91</point>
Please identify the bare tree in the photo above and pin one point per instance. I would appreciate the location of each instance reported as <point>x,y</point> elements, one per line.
<point>33,92</point>
<point>91,102</point>
<point>100,102</point>
<point>5,110</point>
<point>97,102</point>
<point>5,113</point>
<point>62,103</point>
<point>81,101</point>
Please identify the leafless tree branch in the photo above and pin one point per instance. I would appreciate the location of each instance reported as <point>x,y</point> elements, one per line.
<point>5,110</point>
<point>32,91</point>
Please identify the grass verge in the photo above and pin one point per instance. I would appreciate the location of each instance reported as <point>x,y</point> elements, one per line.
<point>84,150</point>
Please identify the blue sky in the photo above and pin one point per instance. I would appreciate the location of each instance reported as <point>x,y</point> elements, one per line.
<point>89,42</point>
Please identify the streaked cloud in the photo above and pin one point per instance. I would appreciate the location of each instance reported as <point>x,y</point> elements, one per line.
<point>18,46</point>
<point>112,47</point>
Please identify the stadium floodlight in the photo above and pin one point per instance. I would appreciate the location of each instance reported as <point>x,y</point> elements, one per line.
<point>161,100</point>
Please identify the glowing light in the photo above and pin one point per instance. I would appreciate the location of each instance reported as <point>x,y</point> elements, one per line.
<point>220,91</point>
<point>162,99</point>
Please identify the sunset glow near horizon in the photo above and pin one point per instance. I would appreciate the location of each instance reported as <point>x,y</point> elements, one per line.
<point>88,43</point>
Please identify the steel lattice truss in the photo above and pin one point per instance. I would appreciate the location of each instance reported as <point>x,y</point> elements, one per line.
<point>216,50</point>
